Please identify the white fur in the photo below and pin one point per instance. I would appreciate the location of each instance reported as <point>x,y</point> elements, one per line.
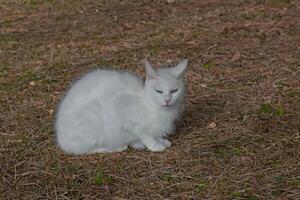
<point>107,111</point>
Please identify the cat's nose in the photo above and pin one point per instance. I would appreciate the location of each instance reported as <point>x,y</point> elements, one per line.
<point>167,101</point>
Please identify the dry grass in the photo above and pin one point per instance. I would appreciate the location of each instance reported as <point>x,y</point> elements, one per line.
<point>243,76</point>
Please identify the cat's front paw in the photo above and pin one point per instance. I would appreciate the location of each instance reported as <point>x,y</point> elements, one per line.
<point>166,142</point>
<point>159,146</point>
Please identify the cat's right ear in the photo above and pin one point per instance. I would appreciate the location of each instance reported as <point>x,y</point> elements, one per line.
<point>180,69</point>
<point>151,73</point>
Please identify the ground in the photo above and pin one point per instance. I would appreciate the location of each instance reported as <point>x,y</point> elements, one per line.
<point>238,138</point>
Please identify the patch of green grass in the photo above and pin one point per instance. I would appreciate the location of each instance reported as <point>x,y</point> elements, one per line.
<point>280,84</point>
<point>267,110</point>
<point>293,93</point>
<point>237,151</point>
<point>281,2</point>
<point>167,177</point>
<point>102,179</point>
<point>197,177</point>
<point>109,179</point>
<point>154,50</point>
<point>3,70</point>
<point>279,111</point>
<point>99,178</point>
<point>27,75</point>
<point>277,192</point>
<point>208,65</point>
<point>7,38</point>
<point>200,187</point>
<point>236,194</point>
<point>293,182</point>
<point>31,4</point>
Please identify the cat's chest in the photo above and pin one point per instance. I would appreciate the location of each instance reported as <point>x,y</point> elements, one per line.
<point>162,123</point>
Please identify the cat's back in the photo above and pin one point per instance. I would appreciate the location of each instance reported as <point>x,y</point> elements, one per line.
<point>101,84</point>
<point>107,79</point>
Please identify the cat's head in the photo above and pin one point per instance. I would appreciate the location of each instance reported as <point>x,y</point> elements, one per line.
<point>165,86</point>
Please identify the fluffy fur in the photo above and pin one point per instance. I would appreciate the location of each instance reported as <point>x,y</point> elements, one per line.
<point>107,111</point>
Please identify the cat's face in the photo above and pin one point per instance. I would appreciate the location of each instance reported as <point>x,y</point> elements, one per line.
<point>165,87</point>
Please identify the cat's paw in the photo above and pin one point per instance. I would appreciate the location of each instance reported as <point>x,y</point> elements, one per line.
<point>165,142</point>
<point>159,146</point>
<point>137,146</point>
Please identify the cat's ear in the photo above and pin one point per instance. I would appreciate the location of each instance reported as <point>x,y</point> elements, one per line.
<point>180,69</point>
<point>151,73</point>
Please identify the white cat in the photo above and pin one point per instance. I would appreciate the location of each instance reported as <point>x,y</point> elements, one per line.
<point>107,111</point>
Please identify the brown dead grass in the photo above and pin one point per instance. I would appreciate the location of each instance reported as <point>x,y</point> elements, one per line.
<point>243,76</point>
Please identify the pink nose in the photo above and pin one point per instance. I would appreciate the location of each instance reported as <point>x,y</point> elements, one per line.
<point>167,101</point>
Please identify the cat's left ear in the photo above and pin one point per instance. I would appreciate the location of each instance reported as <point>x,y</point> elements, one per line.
<point>180,69</point>
<point>151,73</point>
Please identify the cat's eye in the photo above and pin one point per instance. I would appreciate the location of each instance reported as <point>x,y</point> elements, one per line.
<point>173,91</point>
<point>159,91</point>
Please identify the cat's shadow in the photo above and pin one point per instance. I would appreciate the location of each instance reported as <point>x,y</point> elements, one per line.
<point>199,115</point>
